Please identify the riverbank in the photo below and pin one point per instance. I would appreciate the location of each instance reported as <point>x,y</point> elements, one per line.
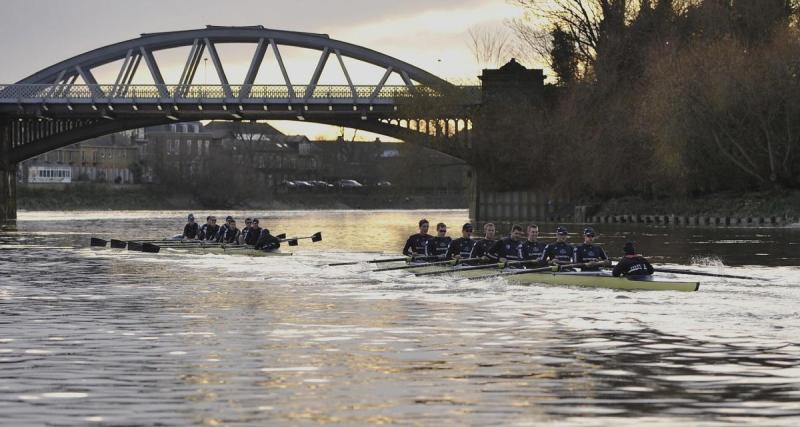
<point>778,208</point>
<point>100,197</point>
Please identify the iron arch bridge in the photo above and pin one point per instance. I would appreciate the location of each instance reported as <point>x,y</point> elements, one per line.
<point>64,103</point>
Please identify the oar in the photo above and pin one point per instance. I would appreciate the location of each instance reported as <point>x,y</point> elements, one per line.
<point>452,262</point>
<point>701,273</point>
<point>374,261</point>
<point>97,242</point>
<point>316,237</point>
<point>499,265</point>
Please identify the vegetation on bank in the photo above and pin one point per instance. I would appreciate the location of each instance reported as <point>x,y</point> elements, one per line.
<point>98,197</point>
<point>654,98</point>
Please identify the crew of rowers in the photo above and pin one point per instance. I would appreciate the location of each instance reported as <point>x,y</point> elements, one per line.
<point>517,250</point>
<point>228,233</point>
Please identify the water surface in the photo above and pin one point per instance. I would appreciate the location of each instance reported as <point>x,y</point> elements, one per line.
<point>110,337</point>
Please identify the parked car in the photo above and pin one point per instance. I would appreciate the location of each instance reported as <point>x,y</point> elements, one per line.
<point>384,184</point>
<point>349,183</point>
<point>303,185</point>
<point>321,185</point>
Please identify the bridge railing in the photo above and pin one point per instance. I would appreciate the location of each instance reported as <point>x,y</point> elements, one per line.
<point>42,92</point>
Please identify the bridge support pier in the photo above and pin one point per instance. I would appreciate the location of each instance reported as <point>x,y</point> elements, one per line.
<point>8,196</point>
<point>8,182</point>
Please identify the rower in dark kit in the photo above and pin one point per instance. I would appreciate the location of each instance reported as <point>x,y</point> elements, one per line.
<point>590,254</point>
<point>253,233</point>
<point>438,245</point>
<point>228,233</point>
<point>266,241</point>
<point>461,248</point>
<point>509,248</point>
<point>417,244</point>
<point>209,230</point>
<point>559,252</point>
<point>532,248</point>
<point>190,229</point>
<point>248,222</point>
<point>482,245</point>
<point>632,264</point>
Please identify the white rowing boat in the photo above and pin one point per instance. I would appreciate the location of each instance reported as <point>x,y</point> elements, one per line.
<point>594,279</point>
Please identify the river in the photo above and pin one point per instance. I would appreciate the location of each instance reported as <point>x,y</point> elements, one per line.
<point>94,336</point>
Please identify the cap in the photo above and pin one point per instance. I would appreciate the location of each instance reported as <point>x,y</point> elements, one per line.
<point>228,218</point>
<point>561,231</point>
<point>466,227</point>
<point>629,249</point>
<point>191,216</point>
<point>588,231</point>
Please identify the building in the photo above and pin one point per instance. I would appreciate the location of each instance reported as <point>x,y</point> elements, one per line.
<point>107,159</point>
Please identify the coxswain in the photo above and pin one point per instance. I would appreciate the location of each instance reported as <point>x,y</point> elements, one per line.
<point>591,255</point>
<point>253,233</point>
<point>437,245</point>
<point>417,244</point>
<point>190,229</point>
<point>482,245</point>
<point>209,230</point>
<point>266,241</point>
<point>509,248</point>
<point>462,247</point>
<point>632,264</point>
<point>532,248</point>
<point>559,252</point>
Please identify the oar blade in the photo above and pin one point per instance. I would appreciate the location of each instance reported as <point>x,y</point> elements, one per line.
<point>97,242</point>
<point>150,248</point>
<point>316,237</point>
<point>118,244</point>
<point>135,246</point>
<point>281,236</point>
<point>293,242</point>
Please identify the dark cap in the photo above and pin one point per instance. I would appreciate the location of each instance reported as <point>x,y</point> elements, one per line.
<point>588,231</point>
<point>466,227</point>
<point>228,218</point>
<point>191,216</point>
<point>629,249</point>
<point>561,231</point>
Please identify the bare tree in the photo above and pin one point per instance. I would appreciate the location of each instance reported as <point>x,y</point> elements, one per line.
<point>491,45</point>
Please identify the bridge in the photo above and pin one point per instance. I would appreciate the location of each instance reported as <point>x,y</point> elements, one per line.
<point>64,103</point>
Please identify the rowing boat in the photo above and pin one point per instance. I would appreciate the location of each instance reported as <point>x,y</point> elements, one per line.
<point>594,279</point>
<point>221,250</point>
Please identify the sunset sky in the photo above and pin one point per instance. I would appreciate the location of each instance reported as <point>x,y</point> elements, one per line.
<point>429,34</point>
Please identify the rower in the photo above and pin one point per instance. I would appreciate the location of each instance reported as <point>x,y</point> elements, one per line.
<point>483,245</point>
<point>209,230</point>
<point>417,244</point>
<point>190,229</point>
<point>228,233</point>
<point>589,253</point>
<point>253,233</point>
<point>532,248</point>
<point>248,222</point>
<point>462,247</point>
<point>267,242</point>
<point>438,245</point>
<point>509,248</point>
<point>632,264</point>
<point>559,252</point>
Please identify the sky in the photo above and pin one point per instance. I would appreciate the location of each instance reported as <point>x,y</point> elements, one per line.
<point>430,34</point>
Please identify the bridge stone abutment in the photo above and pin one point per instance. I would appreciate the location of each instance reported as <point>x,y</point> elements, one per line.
<point>510,95</point>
